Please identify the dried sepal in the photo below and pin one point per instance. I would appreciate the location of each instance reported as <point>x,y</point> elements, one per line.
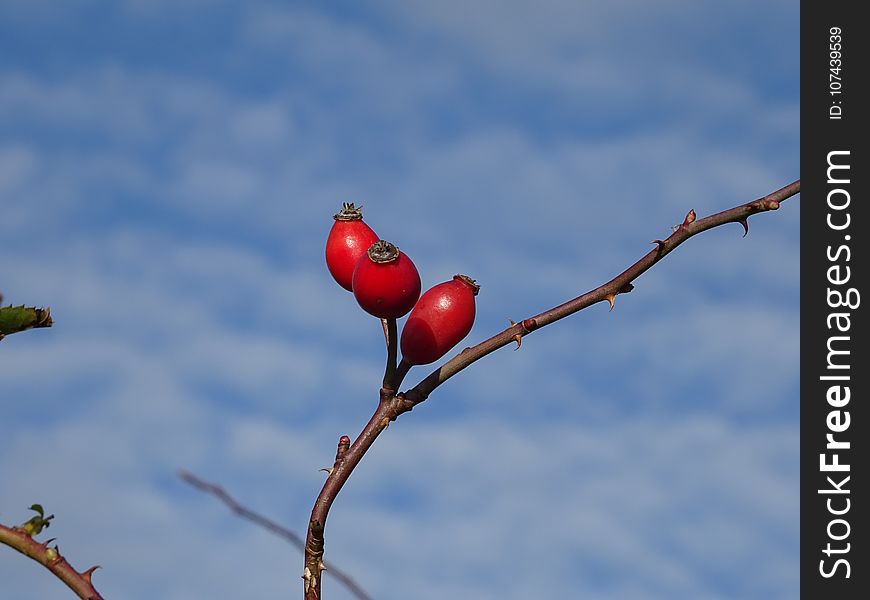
<point>349,212</point>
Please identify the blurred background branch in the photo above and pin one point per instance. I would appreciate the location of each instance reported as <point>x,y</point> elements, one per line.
<point>270,525</point>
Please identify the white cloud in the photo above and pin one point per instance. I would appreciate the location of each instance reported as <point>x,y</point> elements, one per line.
<point>175,222</point>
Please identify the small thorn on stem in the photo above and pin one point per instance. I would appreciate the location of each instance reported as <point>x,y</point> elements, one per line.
<point>519,340</point>
<point>659,243</point>
<point>86,575</point>
<point>327,469</point>
<point>745,223</point>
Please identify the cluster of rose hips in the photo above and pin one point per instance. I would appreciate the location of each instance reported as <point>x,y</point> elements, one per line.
<point>386,284</point>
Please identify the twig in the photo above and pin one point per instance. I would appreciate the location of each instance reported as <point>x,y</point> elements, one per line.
<point>618,285</point>
<point>391,405</point>
<point>391,334</point>
<point>50,558</point>
<point>270,525</point>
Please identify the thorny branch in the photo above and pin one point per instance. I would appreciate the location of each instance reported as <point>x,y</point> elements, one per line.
<point>21,539</point>
<point>270,525</point>
<point>391,404</point>
<point>620,284</point>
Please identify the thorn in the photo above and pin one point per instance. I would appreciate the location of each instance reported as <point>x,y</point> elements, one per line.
<point>690,217</point>
<point>512,322</point>
<point>745,223</point>
<point>519,340</point>
<point>327,469</point>
<point>321,566</point>
<point>86,575</point>
<point>610,298</point>
<point>659,243</point>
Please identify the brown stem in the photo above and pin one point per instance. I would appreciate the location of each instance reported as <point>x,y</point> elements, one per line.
<point>270,525</point>
<point>392,405</point>
<point>401,371</point>
<point>389,407</point>
<point>391,334</point>
<point>386,327</point>
<point>51,559</point>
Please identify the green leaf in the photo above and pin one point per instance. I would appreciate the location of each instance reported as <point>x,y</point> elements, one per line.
<point>36,524</point>
<point>18,318</point>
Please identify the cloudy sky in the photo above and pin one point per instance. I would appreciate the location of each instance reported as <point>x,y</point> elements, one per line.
<point>168,174</point>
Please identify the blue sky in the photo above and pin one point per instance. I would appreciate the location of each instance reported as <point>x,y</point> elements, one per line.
<point>168,173</point>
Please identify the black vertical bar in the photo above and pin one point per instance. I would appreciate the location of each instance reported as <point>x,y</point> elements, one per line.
<point>834,370</point>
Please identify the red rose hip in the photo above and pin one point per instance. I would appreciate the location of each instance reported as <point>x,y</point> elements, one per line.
<point>385,281</point>
<point>348,240</point>
<point>440,319</point>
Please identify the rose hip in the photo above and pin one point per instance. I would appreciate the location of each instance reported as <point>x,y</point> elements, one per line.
<point>348,240</point>
<point>440,319</point>
<point>385,281</point>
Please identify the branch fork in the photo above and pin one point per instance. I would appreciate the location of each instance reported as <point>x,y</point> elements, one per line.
<point>392,404</point>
